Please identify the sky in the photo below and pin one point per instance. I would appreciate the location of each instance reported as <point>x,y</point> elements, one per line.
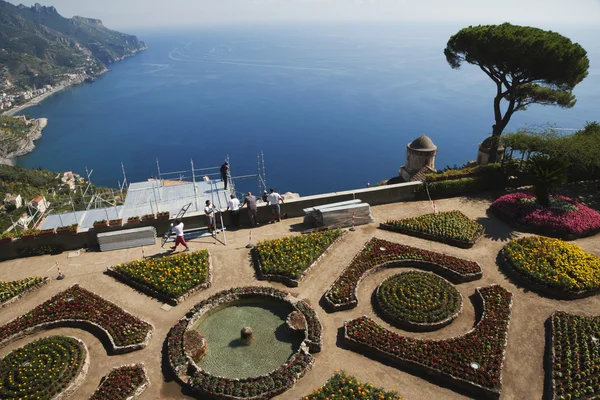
<point>119,14</point>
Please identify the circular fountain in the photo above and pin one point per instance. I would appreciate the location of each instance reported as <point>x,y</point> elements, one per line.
<point>251,349</point>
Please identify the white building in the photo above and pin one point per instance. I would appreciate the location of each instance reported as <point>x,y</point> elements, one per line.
<point>10,200</point>
<point>40,204</point>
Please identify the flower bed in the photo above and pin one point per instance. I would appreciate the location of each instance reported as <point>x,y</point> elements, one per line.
<point>43,369</point>
<point>11,291</point>
<point>345,386</point>
<point>472,362</point>
<point>565,218</point>
<point>260,387</point>
<point>170,279</point>
<point>121,383</point>
<point>289,259</point>
<point>418,301</point>
<point>81,308</point>
<point>575,356</point>
<point>552,266</point>
<point>451,227</point>
<point>377,254</point>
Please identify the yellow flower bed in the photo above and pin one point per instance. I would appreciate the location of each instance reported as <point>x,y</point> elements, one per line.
<point>554,262</point>
<point>346,387</point>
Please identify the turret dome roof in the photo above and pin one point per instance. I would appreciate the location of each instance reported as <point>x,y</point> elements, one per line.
<point>422,143</point>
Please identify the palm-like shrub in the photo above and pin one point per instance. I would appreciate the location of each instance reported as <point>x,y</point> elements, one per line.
<point>547,174</point>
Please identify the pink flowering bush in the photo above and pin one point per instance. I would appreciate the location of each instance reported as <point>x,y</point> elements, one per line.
<point>564,216</point>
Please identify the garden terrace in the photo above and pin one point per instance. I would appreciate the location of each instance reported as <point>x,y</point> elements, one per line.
<point>345,386</point>
<point>170,279</point>
<point>551,266</point>
<point>377,254</point>
<point>43,369</point>
<point>564,218</point>
<point>450,227</point>
<point>419,301</point>
<point>472,362</point>
<point>575,356</point>
<point>11,291</point>
<point>289,259</point>
<point>77,307</point>
<point>122,383</point>
<point>263,386</point>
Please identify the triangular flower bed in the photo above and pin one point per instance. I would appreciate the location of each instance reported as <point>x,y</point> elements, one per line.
<point>377,254</point>
<point>289,259</point>
<point>472,362</point>
<point>575,357</point>
<point>77,307</point>
<point>11,291</point>
<point>450,227</point>
<point>121,383</point>
<point>344,386</point>
<point>170,279</point>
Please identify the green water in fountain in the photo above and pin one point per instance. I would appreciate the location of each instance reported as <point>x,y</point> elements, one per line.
<point>272,345</point>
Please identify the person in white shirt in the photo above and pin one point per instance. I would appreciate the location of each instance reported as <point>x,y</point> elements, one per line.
<point>210,210</point>
<point>233,204</point>
<point>274,199</point>
<point>179,239</point>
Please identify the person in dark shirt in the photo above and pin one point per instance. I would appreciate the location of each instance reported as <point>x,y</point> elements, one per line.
<point>250,201</point>
<point>225,173</point>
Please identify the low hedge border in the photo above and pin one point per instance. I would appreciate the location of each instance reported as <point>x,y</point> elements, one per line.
<point>80,324</point>
<point>115,370</point>
<point>25,292</point>
<point>180,361</point>
<point>461,383</point>
<point>284,279</point>
<point>449,274</point>
<point>551,383</point>
<point>110,271</point>
<point>415,326</point>
<point>550,291</point>
<point>452,242</point>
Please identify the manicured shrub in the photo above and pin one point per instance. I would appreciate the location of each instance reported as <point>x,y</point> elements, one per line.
<point>41,369</point>
<point>291,256</point>
<point>564,217</point>
<point>343,386</point>
<point>575,357</point>
<point>377,253</point>
<point>121,383</point>
<point>476,358</point>
<point>458,187</point>
<point>78,304</point>
<point>418,299</point>
<point>452,227</point>
<point>171,276</point>
<point>554,263</point>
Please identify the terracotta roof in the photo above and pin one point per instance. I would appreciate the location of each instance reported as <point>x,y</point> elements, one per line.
<point>420,176</point>
<point>38,199</point>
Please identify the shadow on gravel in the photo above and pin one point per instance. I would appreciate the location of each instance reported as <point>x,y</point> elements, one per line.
<point>496,230</point>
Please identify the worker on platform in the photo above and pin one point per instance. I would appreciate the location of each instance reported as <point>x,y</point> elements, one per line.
<point>233,205</point>
<point>225,173</point>
<point>210,211</point>
<point>179,239</point>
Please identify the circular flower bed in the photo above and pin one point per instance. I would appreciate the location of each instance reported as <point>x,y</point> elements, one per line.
<point>553,265</point>
<point>42,369</point>
<point>564,218</point>
<point>418,300</point>
<point>258,387</point>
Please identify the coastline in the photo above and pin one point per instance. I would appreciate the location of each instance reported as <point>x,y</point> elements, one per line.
<point>28,145</point>
<point>35,101</point>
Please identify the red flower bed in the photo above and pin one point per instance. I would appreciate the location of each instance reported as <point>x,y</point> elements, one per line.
<point>78,304</point>
<point>122,383</point>
<point>376,253</point>
<point>575,361</point>
<point>473,360</point>
<point>565,218</point>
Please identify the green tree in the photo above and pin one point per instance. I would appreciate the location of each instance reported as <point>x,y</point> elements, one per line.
<point>528,66</point>
<point>547,174</point>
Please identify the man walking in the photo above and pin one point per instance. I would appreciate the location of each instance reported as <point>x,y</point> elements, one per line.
<point>179,239</point>
<point>234,205</point>
<point>225,173</point>
<point>209,211</point>
<point>250,201</point>
<point>274,199</point>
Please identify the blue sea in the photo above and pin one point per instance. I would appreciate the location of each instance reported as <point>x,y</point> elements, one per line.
<point>331,106</point>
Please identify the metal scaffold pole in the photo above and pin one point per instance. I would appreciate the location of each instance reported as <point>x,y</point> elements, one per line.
<point>194,182</point>
<point>158,168</point>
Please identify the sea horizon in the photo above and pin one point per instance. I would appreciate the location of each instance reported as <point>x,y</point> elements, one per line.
<point>332,108</point>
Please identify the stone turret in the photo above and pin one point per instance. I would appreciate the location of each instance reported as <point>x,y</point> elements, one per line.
<point>485,147</point>
<point>420,159</point>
